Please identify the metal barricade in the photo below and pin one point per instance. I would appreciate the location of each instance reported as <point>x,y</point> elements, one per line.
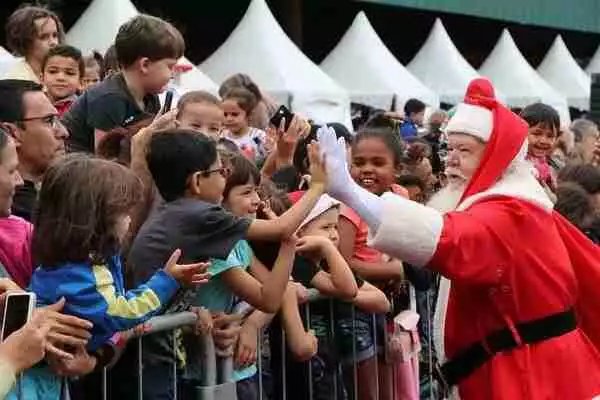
<point>216,383</point>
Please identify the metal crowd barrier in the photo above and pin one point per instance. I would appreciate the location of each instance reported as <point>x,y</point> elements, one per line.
<point>216,380</point>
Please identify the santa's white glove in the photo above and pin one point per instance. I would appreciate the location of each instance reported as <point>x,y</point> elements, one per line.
<point>341,185</point>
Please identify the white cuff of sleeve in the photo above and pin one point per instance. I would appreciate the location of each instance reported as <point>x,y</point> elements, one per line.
<point>410,231</point>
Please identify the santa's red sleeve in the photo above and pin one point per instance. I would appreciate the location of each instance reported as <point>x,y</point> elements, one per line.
<point>585,259</point>
<point>462,245</point>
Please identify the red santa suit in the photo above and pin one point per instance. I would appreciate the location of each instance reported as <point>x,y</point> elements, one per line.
<point>511,261</point>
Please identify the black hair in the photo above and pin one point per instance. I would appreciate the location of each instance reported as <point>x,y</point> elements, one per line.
<point>585,175</point>
<point>242,172</point>
<point>286,178</point>
<point>12,108</point>
<point>411,180</point>
<point>413,106</point>
<point>573,203</point>
<point>176,154</point>
<point>390,138</point>
<point>378,120</point>
<point>540,113</point>
<point>66,51</point>
<point>300,159</point>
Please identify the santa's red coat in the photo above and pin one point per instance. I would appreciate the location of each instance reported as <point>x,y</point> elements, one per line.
<point>509,261</point>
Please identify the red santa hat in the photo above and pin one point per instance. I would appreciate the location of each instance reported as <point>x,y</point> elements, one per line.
<point>504,132</point>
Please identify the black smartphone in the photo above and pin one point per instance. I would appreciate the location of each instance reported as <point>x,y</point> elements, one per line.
<point>18,308</point>
<point>168,102</point>
<point>282,112</point>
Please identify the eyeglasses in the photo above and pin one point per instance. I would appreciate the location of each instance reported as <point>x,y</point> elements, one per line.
<point>52,120</point>
<point>224,171</point>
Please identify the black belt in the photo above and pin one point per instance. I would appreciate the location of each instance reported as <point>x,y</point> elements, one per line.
<point>470,359</point>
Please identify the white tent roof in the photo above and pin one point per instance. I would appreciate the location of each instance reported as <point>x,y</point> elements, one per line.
<point>594,65</point>
<point>194,79</point>
<point>96,30</point>
<point>260,48</point>
<point>363,65</point>
<point>440,66</point>
<point>562,72</point>
<point>520,84</point>
<point>7,61</point>
<point>98,25</point>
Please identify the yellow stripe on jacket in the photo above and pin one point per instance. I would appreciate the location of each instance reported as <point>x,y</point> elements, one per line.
<point>119,306</point>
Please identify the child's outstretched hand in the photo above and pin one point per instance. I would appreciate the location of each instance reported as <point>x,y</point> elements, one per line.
<point>190,274</point>
<point>318,172</point>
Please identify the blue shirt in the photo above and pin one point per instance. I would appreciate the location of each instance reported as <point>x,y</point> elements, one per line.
<point>408,129</point>
<point>216,296</point>
<point>97,293</point>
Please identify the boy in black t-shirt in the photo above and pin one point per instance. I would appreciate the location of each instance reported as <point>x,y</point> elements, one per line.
<point>147,49</point>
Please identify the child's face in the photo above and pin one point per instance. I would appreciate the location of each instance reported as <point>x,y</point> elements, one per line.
<point>542,139</point>
<point>236,119</point>
<point>209,185</point>
<point>373,165</point>
<point>91,76</point>
<point>61,77</point>
<point>243,200</point>
<point>325,225</point>
<point>47,37</point>
<point>156,74</point>
<point>204,117</point>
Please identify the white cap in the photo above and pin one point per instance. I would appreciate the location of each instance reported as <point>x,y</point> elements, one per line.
<point>472,120</point>
<point>325,203</point>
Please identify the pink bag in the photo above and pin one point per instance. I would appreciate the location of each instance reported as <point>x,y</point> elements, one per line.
<point>402,349</point>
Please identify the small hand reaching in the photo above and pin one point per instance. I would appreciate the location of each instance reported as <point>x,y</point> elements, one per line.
<point>318,170</point>
<point>190,274</point>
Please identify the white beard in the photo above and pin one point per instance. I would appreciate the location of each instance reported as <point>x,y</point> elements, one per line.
<point>447,198</point>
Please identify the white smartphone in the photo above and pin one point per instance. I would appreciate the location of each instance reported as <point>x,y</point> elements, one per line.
<point>17,311</point>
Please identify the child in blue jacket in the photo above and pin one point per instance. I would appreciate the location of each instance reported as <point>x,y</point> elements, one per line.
<point>83,219</point>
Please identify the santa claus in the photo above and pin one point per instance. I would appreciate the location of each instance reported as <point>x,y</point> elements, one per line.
<point>520,309</point>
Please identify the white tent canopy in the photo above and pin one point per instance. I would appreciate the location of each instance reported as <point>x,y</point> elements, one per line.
<point>440,66</point>
<point>562,72</point>
<point>194,79</point>
<point>98,25</point>
<point>519,83</point>
<point>6,61</point>
<point>363,65</point>
<point>259,48</point>
<point>594,65</point>
<point>96,30</point>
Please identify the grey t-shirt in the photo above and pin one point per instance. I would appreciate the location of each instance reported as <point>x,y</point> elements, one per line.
<point>106,106</point>
<point>202,231</point>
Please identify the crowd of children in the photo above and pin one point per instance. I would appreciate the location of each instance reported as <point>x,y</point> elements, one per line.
<point>207,207</point>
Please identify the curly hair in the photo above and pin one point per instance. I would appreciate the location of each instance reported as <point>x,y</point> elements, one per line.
<point>21,30</point>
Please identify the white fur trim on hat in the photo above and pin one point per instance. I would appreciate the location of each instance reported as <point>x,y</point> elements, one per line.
<point>472,120</point>
<point>324,203</point>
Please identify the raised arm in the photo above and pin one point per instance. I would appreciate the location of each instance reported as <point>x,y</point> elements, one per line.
<point>286,224</point>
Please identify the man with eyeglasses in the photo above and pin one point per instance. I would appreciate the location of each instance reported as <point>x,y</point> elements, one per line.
<point>31,120</point>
